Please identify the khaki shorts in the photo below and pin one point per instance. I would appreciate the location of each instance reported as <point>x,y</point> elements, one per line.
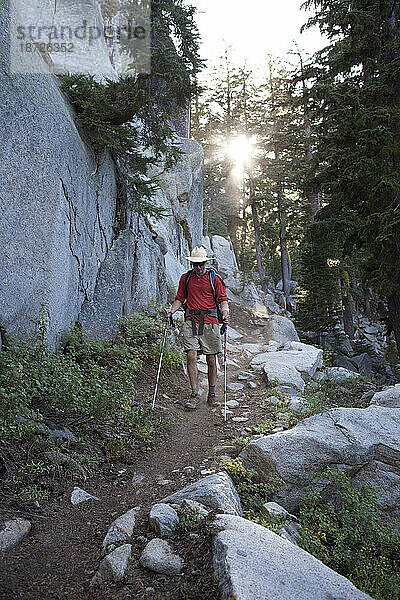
<point>208,343</point>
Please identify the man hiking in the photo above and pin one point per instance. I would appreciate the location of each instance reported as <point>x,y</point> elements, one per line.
<point>201,330</point>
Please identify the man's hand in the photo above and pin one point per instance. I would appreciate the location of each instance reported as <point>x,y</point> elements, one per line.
<point>225,316</point>
<point>168,313</point>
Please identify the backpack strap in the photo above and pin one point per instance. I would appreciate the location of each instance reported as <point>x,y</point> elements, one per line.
<point>212,273</point>
<point>187,279</point>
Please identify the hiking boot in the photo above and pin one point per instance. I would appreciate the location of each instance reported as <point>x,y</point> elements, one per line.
<point>211,401</point>
<point>193,402</point>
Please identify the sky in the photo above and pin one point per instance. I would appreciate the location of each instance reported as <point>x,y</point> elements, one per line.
<point>253,29</point>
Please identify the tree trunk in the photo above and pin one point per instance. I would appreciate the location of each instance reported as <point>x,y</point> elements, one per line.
<point>257,235</point>
<point>348,322</point>
<point>314,197</point>
<point>286,266</point>
<point>393,301</point>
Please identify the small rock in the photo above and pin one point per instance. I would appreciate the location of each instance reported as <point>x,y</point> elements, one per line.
<point>277,429</point>
<point>233,404</point>
<point>235,387</point>
<point>13,533</point>
<point>163,519</point>
<point>196,507</point>
<point>62,434</point>
<point>122,528</point>
<point>138,479</point>
<point>253,385</point>
<point>289,531</point>
<point>242,377</point>
<point>164,482</point>
<point>188,470</point>
<point>159,557</point>
<point>276,510</point>
<point>227,450</point>
<point>274,400</point>
<point>114,566</point>
<point>205,472</point>
<point>78,496</point>
<point>240,419</point>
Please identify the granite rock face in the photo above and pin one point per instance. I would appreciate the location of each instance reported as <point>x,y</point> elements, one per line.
<point>83,32</point>
<point>70,243</point>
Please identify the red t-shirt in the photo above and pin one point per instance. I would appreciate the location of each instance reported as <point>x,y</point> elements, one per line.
<point>200,295</point>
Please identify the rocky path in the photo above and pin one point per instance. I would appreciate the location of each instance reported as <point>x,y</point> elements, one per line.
<point>63,550</point>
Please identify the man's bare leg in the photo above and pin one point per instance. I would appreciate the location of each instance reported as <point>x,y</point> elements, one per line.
<point>192,370</point>
<point>212,379</point>
<point>212,369</point>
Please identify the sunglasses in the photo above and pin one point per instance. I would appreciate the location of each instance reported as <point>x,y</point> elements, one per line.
<point>197,264</point>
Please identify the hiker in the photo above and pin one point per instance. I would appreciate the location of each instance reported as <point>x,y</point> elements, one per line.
<point>201,329</point>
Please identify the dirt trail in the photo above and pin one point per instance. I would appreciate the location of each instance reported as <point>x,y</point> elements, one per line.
<point>59,557</point>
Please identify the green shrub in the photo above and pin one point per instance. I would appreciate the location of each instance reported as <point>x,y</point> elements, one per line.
<point>348,535</point>
<point>252,492</point>
<point>88,385</point>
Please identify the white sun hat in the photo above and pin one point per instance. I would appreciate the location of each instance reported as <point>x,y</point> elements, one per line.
<point>199,254</point>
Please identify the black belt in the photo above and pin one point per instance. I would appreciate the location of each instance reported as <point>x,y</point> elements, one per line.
<point>211,312</point>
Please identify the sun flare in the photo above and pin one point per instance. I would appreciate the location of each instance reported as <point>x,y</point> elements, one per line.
<point>240,149</point>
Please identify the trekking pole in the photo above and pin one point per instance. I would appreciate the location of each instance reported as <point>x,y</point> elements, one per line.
<point>224,330</point>
<point>169,320</point>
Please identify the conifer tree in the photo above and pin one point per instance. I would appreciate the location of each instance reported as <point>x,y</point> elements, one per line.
<point>357,87</point>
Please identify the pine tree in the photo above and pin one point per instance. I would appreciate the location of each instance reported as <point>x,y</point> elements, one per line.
<point>357,88</point>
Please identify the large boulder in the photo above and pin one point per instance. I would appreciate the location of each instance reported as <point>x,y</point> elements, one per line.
<point>304,358</point>
<point>390,397</point>
<point>291,367</point>
<point>357,441</point>
<point>215,491</point>
<point>253,563</point>
<point>339,374</point>
<point>281,329</point>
